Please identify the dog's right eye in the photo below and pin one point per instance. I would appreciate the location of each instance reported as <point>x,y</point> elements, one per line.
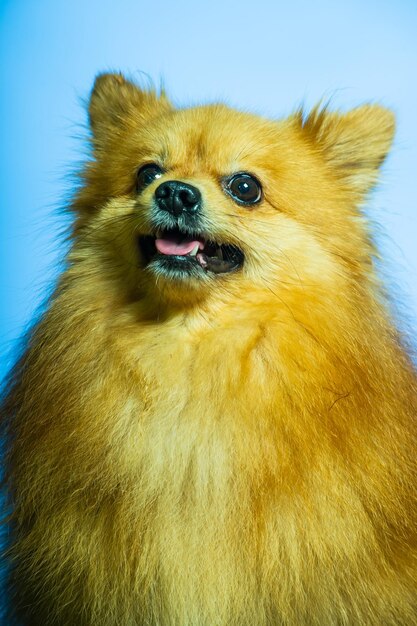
<point>146,175</point>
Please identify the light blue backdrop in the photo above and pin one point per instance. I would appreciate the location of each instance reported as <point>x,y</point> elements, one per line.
<point>267,56</point>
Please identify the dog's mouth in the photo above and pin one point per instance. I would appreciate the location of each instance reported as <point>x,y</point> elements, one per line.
<point>176,250</point>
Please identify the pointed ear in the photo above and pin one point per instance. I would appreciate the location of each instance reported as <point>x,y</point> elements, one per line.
<point>355,143</point>
<point>116,103</point>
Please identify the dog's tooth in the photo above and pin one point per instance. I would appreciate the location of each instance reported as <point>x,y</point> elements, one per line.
<point>194,250</point>
<point>219,253</point>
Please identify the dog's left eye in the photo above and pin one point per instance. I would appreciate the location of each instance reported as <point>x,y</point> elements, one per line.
<point>244,188</point>
<point>146,175</point>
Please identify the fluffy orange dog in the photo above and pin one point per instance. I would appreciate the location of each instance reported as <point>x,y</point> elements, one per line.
<point>214,422</point>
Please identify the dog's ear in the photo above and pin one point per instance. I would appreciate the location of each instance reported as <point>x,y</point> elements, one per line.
<point>117,104</point>
<point>355,143</point>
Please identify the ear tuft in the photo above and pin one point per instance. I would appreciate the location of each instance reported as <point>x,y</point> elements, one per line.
<point>355,143</point>
<point>114,99</point>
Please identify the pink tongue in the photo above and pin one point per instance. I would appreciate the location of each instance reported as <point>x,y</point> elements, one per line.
<point>170,245</point>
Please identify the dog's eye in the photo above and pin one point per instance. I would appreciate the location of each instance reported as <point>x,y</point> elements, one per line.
<point>244,188</point>
<point>146,175</point>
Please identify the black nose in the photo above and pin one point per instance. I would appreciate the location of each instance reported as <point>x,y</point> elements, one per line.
<point>177,197</point>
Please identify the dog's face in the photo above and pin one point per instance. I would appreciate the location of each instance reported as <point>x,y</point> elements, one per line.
<point>210,200</point>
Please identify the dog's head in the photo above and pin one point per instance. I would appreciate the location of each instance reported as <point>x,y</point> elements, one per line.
<point>187,202</point>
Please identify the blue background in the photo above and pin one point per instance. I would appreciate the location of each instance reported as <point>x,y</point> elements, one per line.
<point>266,56</point>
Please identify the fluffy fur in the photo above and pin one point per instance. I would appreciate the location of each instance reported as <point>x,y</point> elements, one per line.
<point>233,451</point>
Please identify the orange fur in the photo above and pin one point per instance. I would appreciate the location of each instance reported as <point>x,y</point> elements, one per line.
<point>235,451</point>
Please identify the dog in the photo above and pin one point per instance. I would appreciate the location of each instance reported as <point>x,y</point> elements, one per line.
<point>213,423</point>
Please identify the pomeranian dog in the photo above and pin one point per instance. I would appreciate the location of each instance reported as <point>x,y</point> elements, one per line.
<point>214,422</point>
